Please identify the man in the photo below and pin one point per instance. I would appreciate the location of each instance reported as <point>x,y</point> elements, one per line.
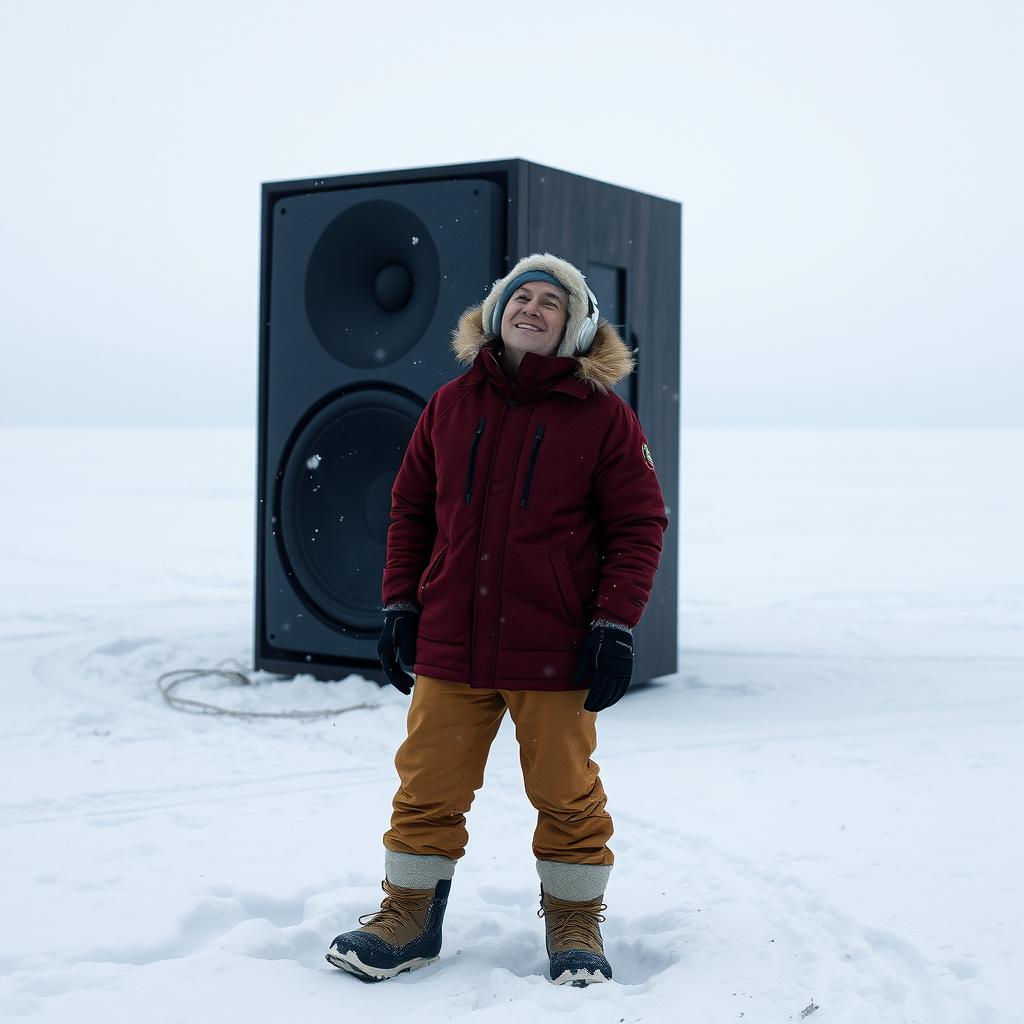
<point>526,530</point>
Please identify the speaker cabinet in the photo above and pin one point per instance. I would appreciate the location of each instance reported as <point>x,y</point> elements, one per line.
<point>362,279</point>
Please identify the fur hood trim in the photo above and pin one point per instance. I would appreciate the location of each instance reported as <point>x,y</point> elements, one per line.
<point>606,363</point>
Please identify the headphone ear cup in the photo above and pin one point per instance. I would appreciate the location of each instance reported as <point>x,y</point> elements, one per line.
<point>588,329</point>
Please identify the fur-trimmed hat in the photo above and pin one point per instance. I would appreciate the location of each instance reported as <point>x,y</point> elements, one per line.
<point>581,316</point>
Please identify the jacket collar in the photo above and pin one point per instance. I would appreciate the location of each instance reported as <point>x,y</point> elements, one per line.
<point>537,375</point>
<point>600,369</point>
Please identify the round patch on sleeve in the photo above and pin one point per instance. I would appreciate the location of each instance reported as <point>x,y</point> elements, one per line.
<point>648,458</point>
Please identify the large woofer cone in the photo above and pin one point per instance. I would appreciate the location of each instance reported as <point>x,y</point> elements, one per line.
<point>333,503</point>
<point>372,284</point>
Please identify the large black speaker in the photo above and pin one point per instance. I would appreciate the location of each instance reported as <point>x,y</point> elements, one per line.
<point>362,279</point>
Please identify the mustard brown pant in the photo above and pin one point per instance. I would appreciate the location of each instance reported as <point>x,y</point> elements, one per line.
<point>441,766</point>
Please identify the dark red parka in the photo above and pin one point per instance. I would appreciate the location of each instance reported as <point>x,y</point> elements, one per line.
<point>523,510</point>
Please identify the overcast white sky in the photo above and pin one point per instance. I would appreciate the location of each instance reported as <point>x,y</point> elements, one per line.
<point>850,172</point>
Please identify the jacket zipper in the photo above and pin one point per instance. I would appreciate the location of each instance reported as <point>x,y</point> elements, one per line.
<point>472,459</point>
<point>524,501</point>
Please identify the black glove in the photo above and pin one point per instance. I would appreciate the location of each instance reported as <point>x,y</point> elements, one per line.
<point>398,640</point>
<point>606,658</point>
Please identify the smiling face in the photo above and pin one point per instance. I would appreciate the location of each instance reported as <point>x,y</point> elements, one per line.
<point>534,318</point>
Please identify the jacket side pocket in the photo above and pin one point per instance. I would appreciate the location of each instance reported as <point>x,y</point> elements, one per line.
<point>566,587</point>
<point>431,569</point>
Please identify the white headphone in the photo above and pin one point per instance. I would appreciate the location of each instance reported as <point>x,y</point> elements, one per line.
<point>589,326</point>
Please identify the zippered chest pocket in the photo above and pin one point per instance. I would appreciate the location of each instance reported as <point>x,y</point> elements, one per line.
<point>538,437</point>
<point>471,468</point>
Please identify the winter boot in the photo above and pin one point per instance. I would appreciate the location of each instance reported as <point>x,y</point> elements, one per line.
<point>573,940</point>
<point>570,902</point>
<point>405,934</point>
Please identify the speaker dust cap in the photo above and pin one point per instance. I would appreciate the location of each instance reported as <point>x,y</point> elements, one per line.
<point>333,503</point>
<point>372,283</point>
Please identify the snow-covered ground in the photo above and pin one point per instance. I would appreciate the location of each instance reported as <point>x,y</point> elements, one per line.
<point>818,809</point>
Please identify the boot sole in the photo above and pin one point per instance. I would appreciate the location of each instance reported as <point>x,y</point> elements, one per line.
<point>579,979</point>
<point>350,963</point>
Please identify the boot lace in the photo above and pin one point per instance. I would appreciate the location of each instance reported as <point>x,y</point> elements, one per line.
<point>573,925</point>
<point>397,910</point>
